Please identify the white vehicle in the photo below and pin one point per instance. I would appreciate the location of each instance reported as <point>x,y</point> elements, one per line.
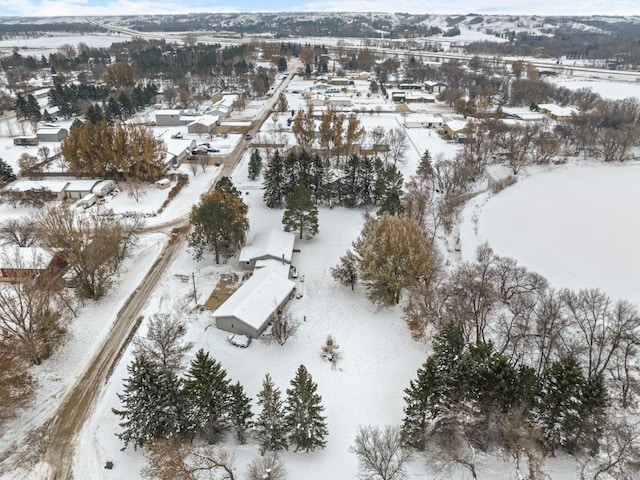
<point>103,188</point>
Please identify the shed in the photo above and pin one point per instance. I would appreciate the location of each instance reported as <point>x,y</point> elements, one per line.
<point>273,244</point>
<point>51,134</point>
<point>163,183</point>
<point>249,309</point>
<point>455,128</point>
<point>435,87</point>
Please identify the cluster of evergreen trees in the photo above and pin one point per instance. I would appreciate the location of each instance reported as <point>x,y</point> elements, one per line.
<point>472,391</point>
<point>67,98</point>
<point>361,181</point>
<point>157,403</point>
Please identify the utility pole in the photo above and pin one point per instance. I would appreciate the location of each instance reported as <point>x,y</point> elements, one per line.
<point>195,293</point>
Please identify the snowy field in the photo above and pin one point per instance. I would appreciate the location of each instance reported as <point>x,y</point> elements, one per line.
<point>575,225</point>
<point>611,90</point>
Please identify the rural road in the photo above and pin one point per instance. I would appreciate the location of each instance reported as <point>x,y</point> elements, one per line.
<point>67,422</point>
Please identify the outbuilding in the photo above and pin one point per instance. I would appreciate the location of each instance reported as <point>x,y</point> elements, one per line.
<point>51,134</point>
<point>17,264</point>
<point>77,189</point>
<point>272,244</point>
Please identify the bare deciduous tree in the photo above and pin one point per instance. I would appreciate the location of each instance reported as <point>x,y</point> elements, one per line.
<point>164,343</point>
<point>268,467</point>
<point>16,384</point>
<point>22,232</point>
<point>331,351</point>
<point>381,454</point>
<point>177,459</point>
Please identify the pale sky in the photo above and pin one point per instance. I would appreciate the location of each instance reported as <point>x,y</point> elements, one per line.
<point>48,8</point>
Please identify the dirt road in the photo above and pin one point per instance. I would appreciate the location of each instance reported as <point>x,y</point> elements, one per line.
<point>63,430</point>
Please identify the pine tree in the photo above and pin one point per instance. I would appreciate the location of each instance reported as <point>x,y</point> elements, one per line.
<point>255,165</point>
<point>206,389</point>
<point>269,427</point>
<point>33,109</point>
<point>561,405</point>
<point>391,201</point>
<point>153,404</point>
<point>239,410</point>
<point>425,169</point>
<point>301,214</point>
<point>6,172</point>
<point>274,181</point>
<point>303,413</point>
<point>422,399</point>
<point>220,222</point>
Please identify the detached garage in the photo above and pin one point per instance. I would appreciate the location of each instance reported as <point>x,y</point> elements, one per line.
<point>250,309</point>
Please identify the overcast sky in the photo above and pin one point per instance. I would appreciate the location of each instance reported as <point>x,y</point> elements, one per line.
<point>133,7</point>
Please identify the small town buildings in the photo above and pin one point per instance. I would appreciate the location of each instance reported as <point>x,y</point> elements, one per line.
<point>77,189</point>
<point>168,118</point>
<point>56,187</point>
<point>178,149</point>
<point>559,114</point>
<point>435,87</point>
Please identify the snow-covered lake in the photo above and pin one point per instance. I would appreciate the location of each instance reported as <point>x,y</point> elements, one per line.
<point>577,226</point>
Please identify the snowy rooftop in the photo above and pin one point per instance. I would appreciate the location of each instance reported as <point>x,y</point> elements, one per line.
<point>256,299</point>
<point>55,186</point>
<point>558,111</point>
<point>208,120</point>
<point>81,185</point>
<point>456,125</point>
<point>273,243</point>
<point>25,257</point>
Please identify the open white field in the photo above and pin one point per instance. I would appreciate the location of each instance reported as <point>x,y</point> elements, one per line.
<point>578,226</point>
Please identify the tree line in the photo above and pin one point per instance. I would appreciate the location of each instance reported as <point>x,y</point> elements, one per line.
<point>160,403</point>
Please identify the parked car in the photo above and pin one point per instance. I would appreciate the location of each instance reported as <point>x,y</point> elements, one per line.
<point>247,136</point>
<point>241,341</point>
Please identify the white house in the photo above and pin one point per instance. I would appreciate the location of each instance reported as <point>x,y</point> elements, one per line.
<point>423,121</point>
<point>273,244</point>
<point>77,189</point>
<point>249,309</point>
<point>168,118</point>
<point>177,149</point>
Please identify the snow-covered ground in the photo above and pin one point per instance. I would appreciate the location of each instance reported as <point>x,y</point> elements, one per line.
<point>609,89</point>
<point>575,225</point>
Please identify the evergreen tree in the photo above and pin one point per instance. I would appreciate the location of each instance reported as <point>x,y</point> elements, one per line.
<point>301,214</point>
<point>282,64</point>
<point>33,109</point>
<point>21,106</point>
<point>425,169</point>
<point>391,201</point>
<point>346,272</point>
<point>422,399</point>
<point>269,427</point>
<point>303,413</point>
<point>274,181</point>
<point>94,114</point>
<point>6,172</point>
<point>206,390</point>
<point>570,408</point>
<point>255,165</point>
<point>220,222</point>
<point>153,404</point>
<point>239,411</point>
<point>46,116</point>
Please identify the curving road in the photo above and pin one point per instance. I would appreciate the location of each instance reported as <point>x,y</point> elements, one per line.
<point>63,429</point>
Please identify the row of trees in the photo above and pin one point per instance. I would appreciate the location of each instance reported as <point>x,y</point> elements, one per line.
<point>468,397</point>
<point>362,181</point>
<point>158,403</point>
